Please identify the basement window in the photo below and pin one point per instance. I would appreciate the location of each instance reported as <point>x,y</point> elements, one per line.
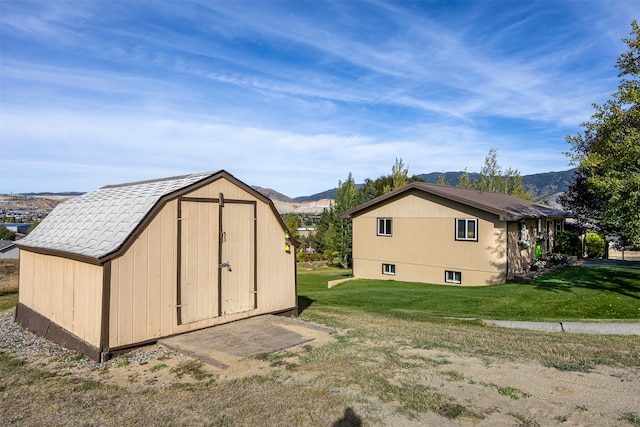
<point>384,226</point>
<point>389,269</point>
<point>453,277</point>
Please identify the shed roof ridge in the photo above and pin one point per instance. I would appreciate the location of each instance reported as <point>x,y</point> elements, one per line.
<point>152,181</point>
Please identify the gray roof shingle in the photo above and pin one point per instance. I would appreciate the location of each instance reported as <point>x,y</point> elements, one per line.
<point>98,223</point>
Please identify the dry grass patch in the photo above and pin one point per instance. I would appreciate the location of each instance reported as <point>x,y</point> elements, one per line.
<point>9,280</point>
<point>474,338</point>
<point>47,398</point>
<point>9,276</point>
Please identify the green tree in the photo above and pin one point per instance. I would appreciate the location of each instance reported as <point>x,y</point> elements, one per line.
<point>606,192</point>
<point>292,224</point>
<point>490,174</point>
<point>492,179</point>
<point>6,234</point>
<point>382,185</point>
<point>513,185</point>
<point>399,176</point>
<point>442,180</point>
<point>334,235</point>
<point>463,180</point>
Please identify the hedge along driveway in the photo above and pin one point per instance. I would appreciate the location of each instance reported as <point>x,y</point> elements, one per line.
<point>568,293</point>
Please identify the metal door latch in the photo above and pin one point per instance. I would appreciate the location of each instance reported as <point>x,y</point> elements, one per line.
<point>225,264</point>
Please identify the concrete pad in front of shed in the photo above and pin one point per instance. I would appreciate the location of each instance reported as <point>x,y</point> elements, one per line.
<point>223,344</point>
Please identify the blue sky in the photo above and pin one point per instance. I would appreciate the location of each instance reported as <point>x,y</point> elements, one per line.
<point>294,95</point>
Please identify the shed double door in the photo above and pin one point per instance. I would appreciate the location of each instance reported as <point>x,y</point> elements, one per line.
<point>217,240</point>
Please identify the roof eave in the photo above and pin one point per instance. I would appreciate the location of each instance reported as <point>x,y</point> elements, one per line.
<point>62,254</point>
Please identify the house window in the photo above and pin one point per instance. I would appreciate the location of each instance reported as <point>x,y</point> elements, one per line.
<point>384,226</point>
<point>523,234</point>
<point>558,226</point>
<point>467,229</point>
<point>389,269</point>
<point>453,277</point>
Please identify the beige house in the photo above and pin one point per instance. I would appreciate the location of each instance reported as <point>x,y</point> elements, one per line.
<point>448,235</point>
<point>128,264</point>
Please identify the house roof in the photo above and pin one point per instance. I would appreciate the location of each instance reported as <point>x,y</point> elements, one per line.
<point>6,245</point>
<point>97,224</point>
<point>506,207</point>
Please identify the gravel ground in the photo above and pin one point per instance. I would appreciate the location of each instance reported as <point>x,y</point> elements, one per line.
<point>20,343</point>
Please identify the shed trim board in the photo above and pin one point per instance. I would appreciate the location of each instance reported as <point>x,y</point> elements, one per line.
<point>238,213</point>
<point>106,309</point>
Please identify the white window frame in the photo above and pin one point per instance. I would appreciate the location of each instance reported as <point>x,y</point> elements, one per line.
<point>389,269</point>
<point>558,227</point>
<point>466,229</point>
<point>387,226</point>
<point>453,277</point>
<point>523,231</point>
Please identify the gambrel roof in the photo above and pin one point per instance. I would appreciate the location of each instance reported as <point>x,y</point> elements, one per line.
<point>97,224</point>
<point>506,207</point>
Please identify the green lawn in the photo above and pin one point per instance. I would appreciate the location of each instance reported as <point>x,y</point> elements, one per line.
<point>8,301</point>
<point>569,293</point>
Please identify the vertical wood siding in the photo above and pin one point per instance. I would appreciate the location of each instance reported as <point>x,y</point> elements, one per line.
<point>144,279</point>
<point>66,291</point>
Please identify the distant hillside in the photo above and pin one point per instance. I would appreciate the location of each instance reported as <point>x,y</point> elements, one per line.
<point>273,194</point>
<point>328,194</point>
<point>542,185</point>
<point>47,194</point>
<point>545,185</point>
<point>31,203</point>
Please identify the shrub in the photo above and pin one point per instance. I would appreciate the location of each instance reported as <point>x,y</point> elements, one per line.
<point>569,243</point>
<point>595,245</point>
<point>315,256</point>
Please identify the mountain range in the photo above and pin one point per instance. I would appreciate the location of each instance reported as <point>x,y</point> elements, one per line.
<point>543,186</point>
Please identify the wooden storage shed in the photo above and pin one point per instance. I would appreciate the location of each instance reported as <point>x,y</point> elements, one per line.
<point>128,264</point>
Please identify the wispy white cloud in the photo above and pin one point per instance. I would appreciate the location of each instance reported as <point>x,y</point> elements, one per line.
<point>296,95</point>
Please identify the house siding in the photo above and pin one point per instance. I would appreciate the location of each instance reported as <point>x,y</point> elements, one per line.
<point>423,245</point>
